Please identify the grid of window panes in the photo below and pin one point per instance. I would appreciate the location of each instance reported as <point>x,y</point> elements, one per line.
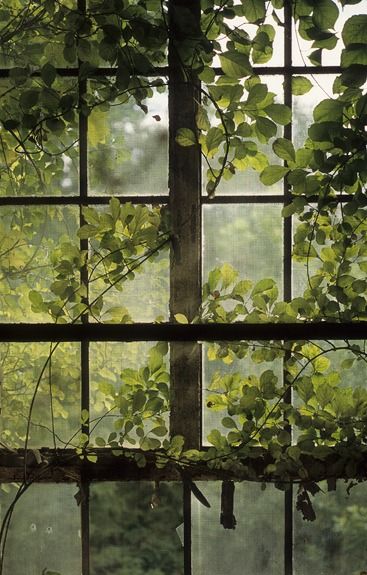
<point>123,152</point>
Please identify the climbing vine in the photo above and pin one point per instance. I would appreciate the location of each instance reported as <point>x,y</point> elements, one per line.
<point>46,276</point>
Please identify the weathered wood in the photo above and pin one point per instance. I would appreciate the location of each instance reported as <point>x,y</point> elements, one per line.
<point>180,332</point>
<point>185,211</point>
<point>67,466</point>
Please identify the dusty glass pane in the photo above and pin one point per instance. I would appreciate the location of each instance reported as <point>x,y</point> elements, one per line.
<point>331,57</point>
<point>243,236</point>
<point>304,105</point>
<point>48,375</point>
<point>255,547</point>
<point>129,393</point>
<point>328,380</point>
<point>244,157</point>
<point>302,49</point>
<point>128,264</point>
<point>39,275</point>
<point>229,371</point>
<point>128,148</point>
<point>44,534</point>
<point>272,20</point>
<point>326,271</point>
<point>333,544</point>
<point>41,156</point>
<point>133,529</point>
<point>28,38</point>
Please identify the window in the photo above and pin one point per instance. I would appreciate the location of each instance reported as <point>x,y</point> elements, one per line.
<point>183,287</point>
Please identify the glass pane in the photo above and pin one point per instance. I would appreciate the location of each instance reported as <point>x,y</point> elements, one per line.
<point>302,48</point>
<point>39,157</point>
<point>249,155</point>
<point>236,239</point>
<point>28,38</point>
<point>129,393</point>
<point>333,544</point>
<point>328,381</point>
<point>128,263</point>
<point>44,534</point>
<point>255,547</point>
<point>230,372</point>
<point>271,27</point>
<point>49,376</point>
<point>329,261</point>
<point>303,106</point>
<point>39,263</point>
<point>128,148</point>
<point>248,386</point>
<point>331,57</point>
<point>133,529</point>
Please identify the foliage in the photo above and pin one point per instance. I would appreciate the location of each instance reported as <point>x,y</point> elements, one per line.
<point>283,404</point>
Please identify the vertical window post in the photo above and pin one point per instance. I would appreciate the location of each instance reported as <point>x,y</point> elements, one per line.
<point>185,193</point>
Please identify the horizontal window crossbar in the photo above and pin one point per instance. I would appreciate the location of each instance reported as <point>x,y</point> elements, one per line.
<point>154,200</point>
<point>182,332</point>
<point>79,200</point>
<point>66,466</point>
<point>163,71</point>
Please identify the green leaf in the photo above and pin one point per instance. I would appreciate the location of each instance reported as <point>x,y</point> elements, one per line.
<point>214,138</point>
<point>324,394</point>
<point>148,443</point>
<point>10,124</point>
<point>181,318</point>
<point>300,85</point>
<point>280,113</point>
<point>155,360</point>
<point>92,458</point>
<point>266,127</point>
<point>355,30</point>
<point>229,423</point>
<point>354,55</point>
<point>138,400</point>
<point>48,74</point>
<point>215,438</point>
<point>325,14</point>
<point>202,120</point>
<point>87,231</point>
<point>83,49</point>
<point>122,78</point>
<point>160,431</point>
<point>321,363</point>
<point>284,437</point>
<point>257,93</point>
<point>315,57</point>
<point>213,278</point>
<point>35,298</point>
<point>228,275</point>
<point>254,10</point>
<point>235,64</point>
<point>29,98</point>
<point>262,286</point>
<point>115,208</point>
<point>272,174</point>
<point>284,149</point>
<point>185,137</point>
<point>328,111</point>
<point>100,442</point>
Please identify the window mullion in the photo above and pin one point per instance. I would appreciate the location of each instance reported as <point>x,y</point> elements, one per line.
<point>287,274</point>
<point>185,192</point>
<point>84,345</point>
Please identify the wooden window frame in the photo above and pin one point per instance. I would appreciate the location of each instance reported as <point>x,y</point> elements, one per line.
<point>185,201</point>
